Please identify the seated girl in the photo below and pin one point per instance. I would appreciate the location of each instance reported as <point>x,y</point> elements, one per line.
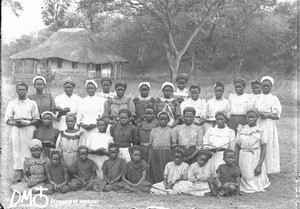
<point>199,175</point>
<point>175,171</point>
<point>57,173</point>
<point>251,145</point>
<point>34,170</point>
<point>46,133</point>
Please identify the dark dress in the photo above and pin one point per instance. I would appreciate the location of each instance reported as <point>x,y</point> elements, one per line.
<point>58,176</point>
<point>140,105</point>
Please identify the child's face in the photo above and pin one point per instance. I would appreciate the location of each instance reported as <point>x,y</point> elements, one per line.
<point>188,118</point>
<point>47,119</point>
<point>251,118</point>
<point>195,93</point>
<point>168,92</point>
<point>256,89</point>
<point>124,119</point>
<point>120,90</point>
<point>163,120</point>
<point>36,152</point>
<point>101,126</point>
<point>70,121</point>
<point>181,84</point>
<point>113,153</point>
<point>239,88</point>
<point>55,159</point>
<point>144,91</point>
<point>221,120</point>
<point>229,158</point>
<point>136,155</point>
<point>105,86</point>
<point>178,158</point>
<point>218,92</point>
<point>83,154</point>
<point>149,114</point>
<point>202,160</point>
<point>266,86</point>
<point>91,89</point>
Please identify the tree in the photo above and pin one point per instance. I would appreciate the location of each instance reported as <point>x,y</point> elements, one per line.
<point>15,6</point>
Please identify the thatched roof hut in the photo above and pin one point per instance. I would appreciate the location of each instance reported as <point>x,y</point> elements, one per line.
<point>77,48</point>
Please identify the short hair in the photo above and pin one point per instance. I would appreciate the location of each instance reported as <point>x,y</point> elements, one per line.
<point>121,83</point>
<point>101,119</point>
<point>114,144</point>
<point>55,152</point>
<point>179,151</point>
<point>205,152</point>
<point>125,111</point>
<point>106,79</point>
<point>82,147</point>
<point>189,109</point>
<point>150,107</point>
<point>22,84</point>
<point>136,148</point>
<point>163,113</point>
<point>219,84</point>
<point>195,86</point>
<point>227,151</point>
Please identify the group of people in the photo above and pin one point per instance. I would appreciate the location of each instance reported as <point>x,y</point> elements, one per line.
<point>177,144</point>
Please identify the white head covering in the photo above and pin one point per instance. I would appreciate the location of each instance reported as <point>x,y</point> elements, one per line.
<point>167,84</point>
<point>47,112</point>
<point>39,77</point>
<point>34,142</point>
<point>267,78</point>
<point>92,82</point>
<point>144,83</point>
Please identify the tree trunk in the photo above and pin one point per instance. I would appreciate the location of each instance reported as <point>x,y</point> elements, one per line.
<point>193,64</point>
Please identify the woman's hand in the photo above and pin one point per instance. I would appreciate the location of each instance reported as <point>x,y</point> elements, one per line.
<point>257,170</point>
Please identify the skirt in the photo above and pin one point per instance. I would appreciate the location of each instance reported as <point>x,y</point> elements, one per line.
<point>86,135</point>
<point>158,160</point>
<point>124,153</point>
<point>198,188</point>
<point>159,189</point>
<point>216,161</point>
<point>236,120</point>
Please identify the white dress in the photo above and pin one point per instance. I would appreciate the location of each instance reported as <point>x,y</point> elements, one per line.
<point>64,101</point>
<point>94,142</point>
<point>89,110</point>
<point>218,138</point>
<point>250,140</point>
<point>238,104</point>
<point>106,95</point>
<point>253,98</point>
<point>184,93</point>
<point>270,104</point>
<point>20,137</point>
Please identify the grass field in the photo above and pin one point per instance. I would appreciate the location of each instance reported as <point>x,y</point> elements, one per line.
<point>281,193</point>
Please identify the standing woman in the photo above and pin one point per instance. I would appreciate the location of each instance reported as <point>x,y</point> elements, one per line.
<point>118,102</point>
<point>44,101</point>
<point>67,102</point>
<point>169,105</point>
<point>269,108</point>
<point>238,104</point>
<point>89,110</point>
<point>256,91</point>
<point>22,115</point>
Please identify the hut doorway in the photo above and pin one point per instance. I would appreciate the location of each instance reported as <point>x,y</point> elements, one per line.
<point>98,70</point>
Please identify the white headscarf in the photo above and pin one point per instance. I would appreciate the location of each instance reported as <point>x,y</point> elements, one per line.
<point>267,78</point>
<point>34,143</point>
<point>144,83</point>
<point>39,77</point>
<point>167,84</point>
<point>92,82</point>
<point>47,112</point>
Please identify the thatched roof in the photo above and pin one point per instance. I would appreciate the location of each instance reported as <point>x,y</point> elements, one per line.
<point>73,44</point>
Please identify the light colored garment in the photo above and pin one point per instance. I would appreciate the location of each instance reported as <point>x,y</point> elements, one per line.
<point>250,140</point>
<point>162,137</point>
<point>270,104</point>
<point>124,153</point>
<point>188,136</point>
<point>199,105</point>
<point>64,101</point>
<point>20,137</point>
<point>197,180</point>
<point>171,106</point>
<point>172,173</point>
<point>252,100</point>
<point>238,104</point>
<point>106,95</point>
<point>218,138</point>
<point>94,142</point>
<point>184,93</point>
<point>214,105</point>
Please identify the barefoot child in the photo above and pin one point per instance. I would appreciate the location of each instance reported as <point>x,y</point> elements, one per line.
<point>175,171</point>
<point>84,172</point>
<point>134,173</point>
<point>106,84</point>
<point>250,154</point>
<point>57,173</point>
<point>228,178</point>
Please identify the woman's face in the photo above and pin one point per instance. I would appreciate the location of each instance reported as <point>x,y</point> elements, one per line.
<point>188,118</point>
<point>181,84</point>
<point>144,91</point>
<point>163,120</point>
<point>239,88</point>
<point>68,89</point>
<point>47,119</point>
<point>218,92</point>
<point>120,90</point>
<point>70,121</point>
<point>39,85</point>
<point>251,118</point>
<point>221,120</point>
<point>105,86</point>
<point>101,125</point>
<point>22,91</point>
<point>266,86</point>
<point>256,89</point>
<point>168,92</point>
<point>91,89</point>
<point>195,93</point>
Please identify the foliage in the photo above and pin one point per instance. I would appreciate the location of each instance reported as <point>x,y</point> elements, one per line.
<point>15,6</point>
<point>46,72</point>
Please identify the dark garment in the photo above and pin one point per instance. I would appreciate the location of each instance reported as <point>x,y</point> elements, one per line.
<point>124,135</point>
<point>133,171</point>
<point>188,152</point>
<point>113,168</point>
<point>45,102</point>
<point>48,137</point>
<point>235,120</point>
<point>57,173</point>
<point>140,108</point>
<point>158,160</point>
<point>84,169</point>
<point>228,173</point>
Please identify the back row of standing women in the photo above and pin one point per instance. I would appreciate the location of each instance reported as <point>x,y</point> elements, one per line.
<point>23,114</point>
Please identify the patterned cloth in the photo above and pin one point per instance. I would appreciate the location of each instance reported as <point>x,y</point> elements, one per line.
<point>140,104</point>
<point>45,102</point>
<point>112,107</point>
<point>199,105</point>
<point>171,106</point>
<point>228,173</point>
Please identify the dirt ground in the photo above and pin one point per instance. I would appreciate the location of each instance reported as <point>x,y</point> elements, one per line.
<point>281,193</point>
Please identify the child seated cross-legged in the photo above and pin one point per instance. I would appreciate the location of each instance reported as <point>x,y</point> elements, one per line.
<point>174,172</point>
<point>199,175</point>
<point>228,178</point>
<point>134,173</point>
<point>84,172</point>
<point>57,173</point>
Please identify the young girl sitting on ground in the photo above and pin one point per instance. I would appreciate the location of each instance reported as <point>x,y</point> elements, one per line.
<point>57,173</point>
<point>134,173</point>
<point>250,154</point>
<point>228,178</point>
<point>124,133</point>
<point>175,171</point>
<point>34,170</point>
<point>199,175</point>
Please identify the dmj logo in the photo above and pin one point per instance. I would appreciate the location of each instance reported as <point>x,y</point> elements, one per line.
<point>27,196</point>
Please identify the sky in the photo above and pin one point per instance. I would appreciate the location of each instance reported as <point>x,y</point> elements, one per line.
<point>29,21</point>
